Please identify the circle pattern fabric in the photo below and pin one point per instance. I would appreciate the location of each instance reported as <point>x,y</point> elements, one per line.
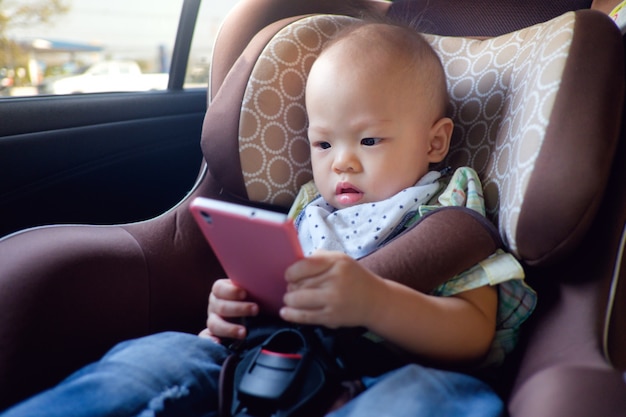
<point>502,92</point>
<point>273,144</point>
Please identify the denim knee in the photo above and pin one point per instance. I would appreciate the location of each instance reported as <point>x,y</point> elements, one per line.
<point>415,391</point>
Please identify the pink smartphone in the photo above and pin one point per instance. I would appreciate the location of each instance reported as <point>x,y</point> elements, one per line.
<point>254,246</point>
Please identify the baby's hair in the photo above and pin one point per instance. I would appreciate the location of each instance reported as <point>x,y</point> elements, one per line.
<point>403,45</point>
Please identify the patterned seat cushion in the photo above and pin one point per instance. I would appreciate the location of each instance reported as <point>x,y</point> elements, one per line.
<point>508,96</point>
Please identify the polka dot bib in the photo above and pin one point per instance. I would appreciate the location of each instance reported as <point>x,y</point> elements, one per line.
<point>360,229</point>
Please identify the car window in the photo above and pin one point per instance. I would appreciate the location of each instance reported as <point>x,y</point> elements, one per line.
<point>91,46</point>
<point>211,15</point>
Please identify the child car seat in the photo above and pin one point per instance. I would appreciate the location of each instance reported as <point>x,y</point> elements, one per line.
<point>537,114</point>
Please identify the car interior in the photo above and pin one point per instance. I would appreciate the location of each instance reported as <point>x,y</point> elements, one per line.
<point>99,244</point>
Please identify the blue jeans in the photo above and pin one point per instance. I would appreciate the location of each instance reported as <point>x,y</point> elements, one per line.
<point>177,374</point>
<point>416,391</point>
<point>166,374</point>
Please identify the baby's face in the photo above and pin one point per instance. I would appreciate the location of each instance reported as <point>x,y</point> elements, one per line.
<point>369,139</point>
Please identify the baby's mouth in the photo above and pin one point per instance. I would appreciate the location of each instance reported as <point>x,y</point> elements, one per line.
<point>347,194</point>
<point>349,190</point>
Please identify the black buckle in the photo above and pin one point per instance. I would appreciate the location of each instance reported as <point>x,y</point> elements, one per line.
<point>274,371</point>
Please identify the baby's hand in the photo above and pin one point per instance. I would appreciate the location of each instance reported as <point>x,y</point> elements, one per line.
<point>329,289</point>
<point>226,301</point>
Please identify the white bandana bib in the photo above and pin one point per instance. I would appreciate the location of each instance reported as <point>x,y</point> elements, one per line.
<point>360,229</point>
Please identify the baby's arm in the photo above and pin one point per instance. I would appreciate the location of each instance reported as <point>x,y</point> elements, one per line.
<point>226,301</point>
<point>456,329</point>
<point>333,290</point>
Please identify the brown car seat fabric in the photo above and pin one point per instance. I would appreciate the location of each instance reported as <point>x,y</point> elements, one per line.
<point>480,18</point>
<point>515,119</point>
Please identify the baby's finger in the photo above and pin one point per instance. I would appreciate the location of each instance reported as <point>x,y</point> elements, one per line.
<point>220,328</point>
<point>206,333</point>
<point>307,268</point>
<point>305,298</point>
<point>294,315</point>
<point>232,308</point>
<point>227,290</point>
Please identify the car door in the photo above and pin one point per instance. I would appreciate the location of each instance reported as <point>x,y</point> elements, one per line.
<point>108,157</point>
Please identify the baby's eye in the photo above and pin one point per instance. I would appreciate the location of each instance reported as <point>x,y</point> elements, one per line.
<point>321,145</point>
<point>370,141</point>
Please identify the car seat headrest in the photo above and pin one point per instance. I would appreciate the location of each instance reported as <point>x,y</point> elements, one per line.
<point>511,98</point>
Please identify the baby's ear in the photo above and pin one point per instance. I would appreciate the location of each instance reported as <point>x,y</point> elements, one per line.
<point>440,134</point>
